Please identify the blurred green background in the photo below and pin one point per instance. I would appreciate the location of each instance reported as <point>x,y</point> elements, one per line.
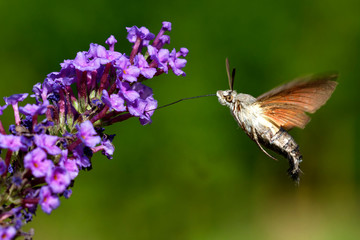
<point>193,173</point>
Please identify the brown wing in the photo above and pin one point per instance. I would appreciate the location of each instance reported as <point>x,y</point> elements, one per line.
<point>285,106</point>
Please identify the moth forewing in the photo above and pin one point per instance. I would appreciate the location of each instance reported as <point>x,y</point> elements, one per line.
<point>301,81</point>
<point>286,105</point>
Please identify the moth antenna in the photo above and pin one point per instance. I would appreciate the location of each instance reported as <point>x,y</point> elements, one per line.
<point>232,77</point>
<point>262,149</point>
<point>183,99</point>
<point>228,73</point>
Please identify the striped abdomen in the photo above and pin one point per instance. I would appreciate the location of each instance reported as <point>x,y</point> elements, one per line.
<point>283,143</point>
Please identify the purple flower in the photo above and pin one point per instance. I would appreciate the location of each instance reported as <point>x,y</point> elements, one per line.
<point>96,51</point>
<point>126,91</point>
<point>81,159</point>
<point>143,33</point>
<point>67,193</point>
<point>38,164</point>
<point>26,123</point>
<point>59,79</point>
<point>87,134</point>
<point>108,148</point>
<point>69,165</point>
<point>166,26</point>
<point>13,99</point>
<point>2,108</point>
<point>183,52</point>
<point>48,143</point>
<point>99,55</point>
<point>161,39</point>
<point>18,219</point>
<point>31,194</point>
<point>176,63</point>
<point>105,98</point>
<point>10,169</point>
<point>13,129</point>
<point>143,90</point>
<point>95,57</point>
<point>7,233</point>
<point>112,55</point>
<point>161,57</point>
<point>151,105</point>
<point>34,109</point>
<point>16,211</point>
<point>117,103</point>
<point>114,101</point>
<point>143,65</point>
<point>126,71</point>
<point>51,87</point>
<point>137,108</point>
<point>11,142</point>
<point>48,201</point>
<point>38,170</point>
<point>82,63</point>
<point>28,216</point>
<point>67,66</point>
<point>16,180</point>
<point>58,179</point>
<point>164,39</point>
<point>27,141</point>
<point>111,42</point>
<point>142,106</point>
<point>37,90</point>
<point>2,167</point>
<point>143,109</point>
<point>41,127</point>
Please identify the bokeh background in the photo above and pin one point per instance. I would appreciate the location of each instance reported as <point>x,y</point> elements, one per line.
<point>193,174</point>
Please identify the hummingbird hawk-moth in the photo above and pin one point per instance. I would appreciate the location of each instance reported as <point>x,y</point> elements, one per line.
<point>268,118</point>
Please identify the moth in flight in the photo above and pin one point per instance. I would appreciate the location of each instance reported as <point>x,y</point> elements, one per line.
<point>268,118</point>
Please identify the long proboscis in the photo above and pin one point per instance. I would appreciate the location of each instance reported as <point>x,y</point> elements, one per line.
<point>180,100</point>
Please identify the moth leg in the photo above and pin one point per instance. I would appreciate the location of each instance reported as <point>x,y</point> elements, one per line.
<point>262,149</point>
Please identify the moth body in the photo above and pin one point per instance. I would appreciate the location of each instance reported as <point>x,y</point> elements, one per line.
<point>249,116</point>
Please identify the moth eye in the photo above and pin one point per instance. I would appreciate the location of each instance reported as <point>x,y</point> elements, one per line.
<point>229,98</point>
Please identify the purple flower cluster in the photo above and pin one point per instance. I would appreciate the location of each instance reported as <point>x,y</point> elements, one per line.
<point>54,138</point>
